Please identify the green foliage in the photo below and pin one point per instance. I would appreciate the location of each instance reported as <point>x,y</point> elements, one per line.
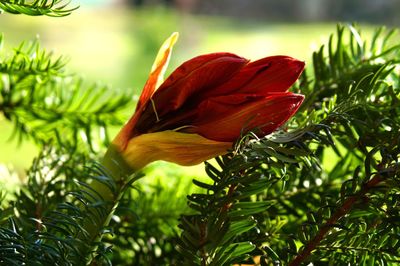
<point>145,225</point>
<point>47,104</point>
<point>324,189</point>
<point>42,226</point>
<point>55,8</point>
<point>46,225</point>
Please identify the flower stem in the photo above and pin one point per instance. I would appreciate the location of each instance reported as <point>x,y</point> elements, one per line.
<point>109,198</point>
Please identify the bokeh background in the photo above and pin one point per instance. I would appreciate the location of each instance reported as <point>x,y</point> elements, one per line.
<point>115,41</point>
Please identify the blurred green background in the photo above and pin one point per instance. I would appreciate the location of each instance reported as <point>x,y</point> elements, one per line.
<point>114,42</point>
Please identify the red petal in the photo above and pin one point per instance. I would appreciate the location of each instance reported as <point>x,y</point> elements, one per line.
<point>185,116</point>
<point>270,74</point>
<point>200,73</point>
<point>222,122</point>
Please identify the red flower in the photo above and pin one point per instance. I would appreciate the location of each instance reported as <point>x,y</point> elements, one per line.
<point>206,104</point>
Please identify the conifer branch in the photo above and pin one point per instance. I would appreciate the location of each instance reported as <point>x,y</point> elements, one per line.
<point>54,8</point>
<point>47,104</point>
<point>332,221</point>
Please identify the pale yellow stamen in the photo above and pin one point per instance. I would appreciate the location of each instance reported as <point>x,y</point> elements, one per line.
<point>154,109</point>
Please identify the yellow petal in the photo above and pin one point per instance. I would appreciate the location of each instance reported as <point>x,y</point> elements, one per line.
<point>163,57</point>
<point>181,148</point>
<point>158,69</point>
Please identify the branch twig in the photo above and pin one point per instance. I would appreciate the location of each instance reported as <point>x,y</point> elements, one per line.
<point>343,210</point>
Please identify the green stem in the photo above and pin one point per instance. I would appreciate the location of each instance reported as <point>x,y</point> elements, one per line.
<point>120,172</point>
